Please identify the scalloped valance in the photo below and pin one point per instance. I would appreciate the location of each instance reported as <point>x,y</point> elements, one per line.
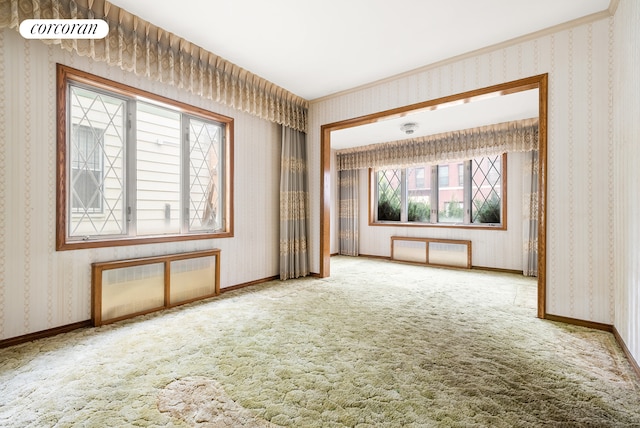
<point>515,136</point>
<point>139,46</point>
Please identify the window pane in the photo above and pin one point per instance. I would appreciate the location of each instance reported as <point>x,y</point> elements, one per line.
<point>205,179</point>
<point>96,164</point>
<point>443,175</point>
<point>86,169</point>
<point>450,199</point>
<point>158,170</point>
<point>486,192</point>
<point>419,193</point>
<point>389,198</point>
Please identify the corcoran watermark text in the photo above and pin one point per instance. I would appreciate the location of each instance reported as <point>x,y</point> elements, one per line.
<point>64,29</point>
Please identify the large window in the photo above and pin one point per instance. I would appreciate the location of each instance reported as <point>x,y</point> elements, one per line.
<point>138,168</point>
<point>429,195</point>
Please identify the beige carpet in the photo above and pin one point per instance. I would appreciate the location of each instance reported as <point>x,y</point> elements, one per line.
<point>378,344</point>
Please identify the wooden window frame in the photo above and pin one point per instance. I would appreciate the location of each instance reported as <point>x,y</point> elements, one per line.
<point>489,226</point>
<point>67,74</point>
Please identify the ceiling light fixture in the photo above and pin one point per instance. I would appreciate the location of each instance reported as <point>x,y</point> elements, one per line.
<point>409,127</point>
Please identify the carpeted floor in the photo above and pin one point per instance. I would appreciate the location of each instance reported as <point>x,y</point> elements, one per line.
<point>377,344</point>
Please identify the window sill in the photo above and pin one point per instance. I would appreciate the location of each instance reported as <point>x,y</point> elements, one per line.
<point>138,240</point>
<point>487,226</point>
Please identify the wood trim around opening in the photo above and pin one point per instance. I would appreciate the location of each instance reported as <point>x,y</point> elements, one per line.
<point>539,82</point>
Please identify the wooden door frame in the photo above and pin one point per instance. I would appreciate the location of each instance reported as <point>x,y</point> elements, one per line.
<point>539,82</point>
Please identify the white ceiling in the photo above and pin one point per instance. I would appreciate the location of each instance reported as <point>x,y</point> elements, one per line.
<point>317,48</point>
<point>497,109</point>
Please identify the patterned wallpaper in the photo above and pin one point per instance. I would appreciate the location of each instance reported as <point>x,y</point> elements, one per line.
<point>579,60</point>
<point>592,257</point>
<point>375,240</point>
<point>41,288</point>
<point>626,107</point>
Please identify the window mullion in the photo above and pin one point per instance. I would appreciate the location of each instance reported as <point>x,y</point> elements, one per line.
<point>131,169</point>
<point>467,192</point>
<point>373,180</point>
<point>184,172</point>
<point>434,194</point>
<point>373,194</point>
<point>222,179</point>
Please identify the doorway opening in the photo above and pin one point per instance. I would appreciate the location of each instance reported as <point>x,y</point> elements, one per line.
<point>539,82</point>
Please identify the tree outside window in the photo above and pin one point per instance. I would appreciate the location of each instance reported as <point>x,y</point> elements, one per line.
<point>405,195</point>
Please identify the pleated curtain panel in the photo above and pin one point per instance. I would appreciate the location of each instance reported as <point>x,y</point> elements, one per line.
<point>490,140</point>
<point>294,205</point>
<point>136,45</point>
<point>348,212</point>
<point>530,215</point>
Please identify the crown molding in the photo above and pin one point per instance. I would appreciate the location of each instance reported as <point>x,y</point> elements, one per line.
<point>604,14</point>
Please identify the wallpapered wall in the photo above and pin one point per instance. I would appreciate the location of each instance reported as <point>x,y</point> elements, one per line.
<point>504,245</point>
<point>590,183</point>
<point>579,60</point>
<point>627,174</point>
<point>41,288</point>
